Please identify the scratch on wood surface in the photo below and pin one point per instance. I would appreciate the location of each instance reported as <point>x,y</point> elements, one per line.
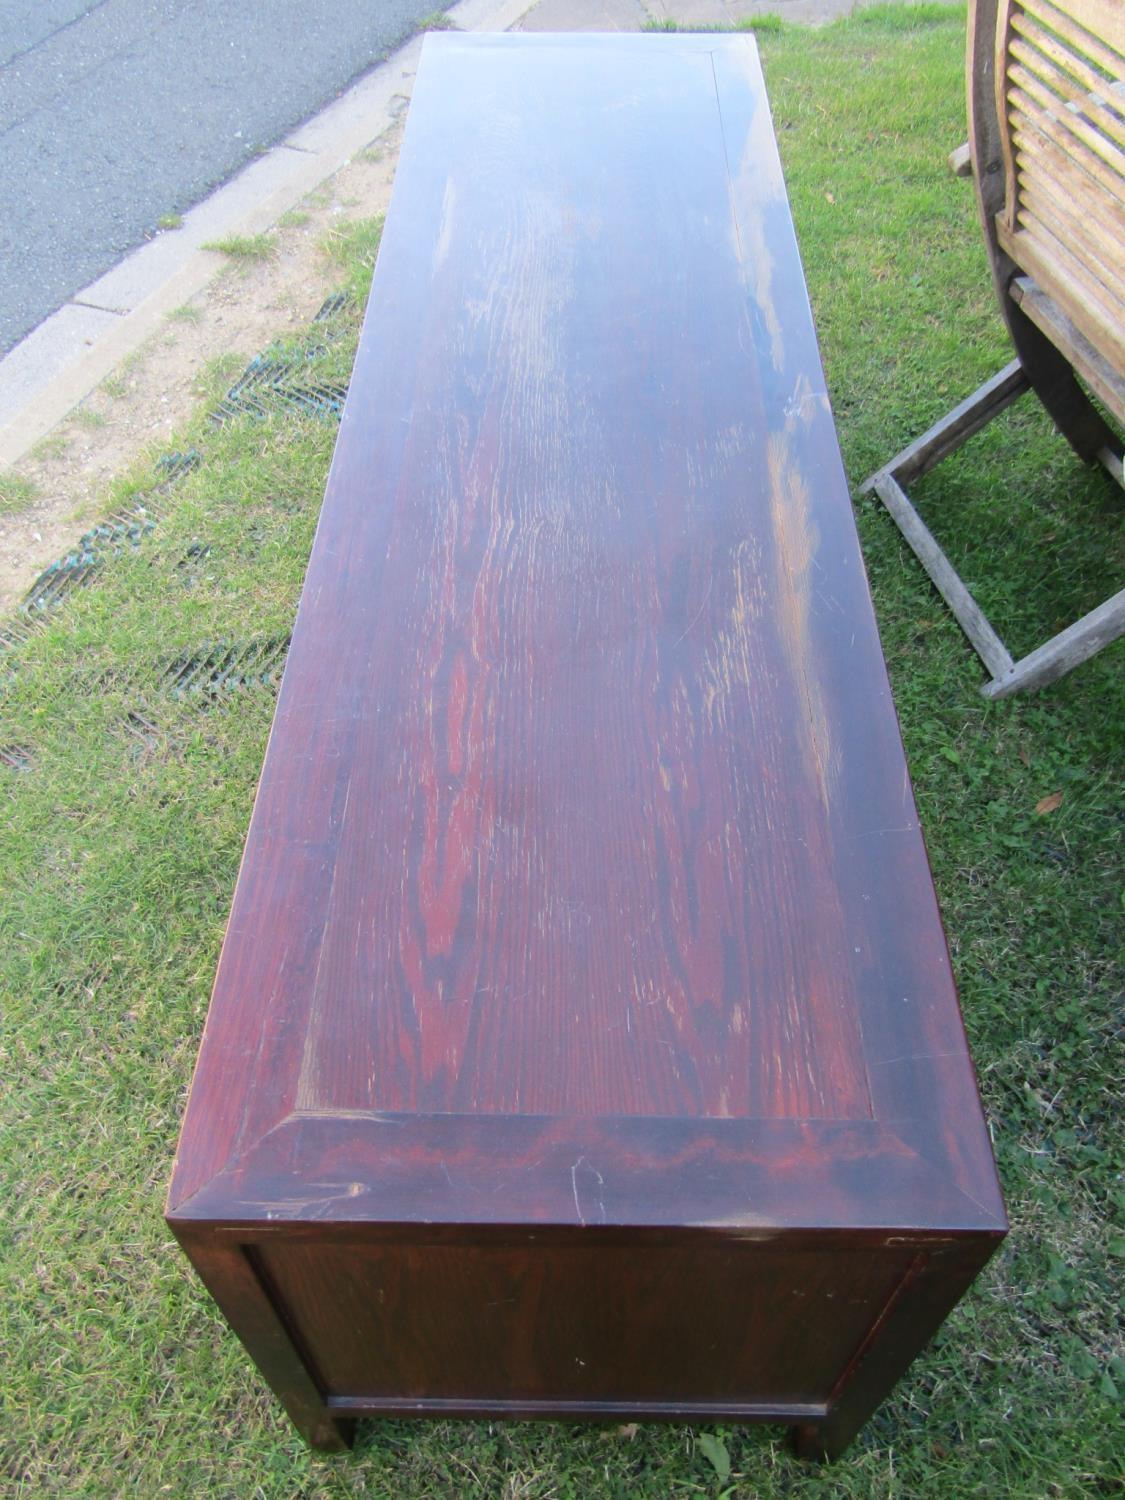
<point>338,1112</point>
<point>699,612</point>
<point>593,1171</point>
<point>914,1057</point>
<point>445,231</point>
<point>805,402</point>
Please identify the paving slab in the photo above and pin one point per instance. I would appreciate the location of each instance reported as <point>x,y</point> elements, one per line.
<point>704,12</point>
<point>585,15</point>
<point>729,13</point>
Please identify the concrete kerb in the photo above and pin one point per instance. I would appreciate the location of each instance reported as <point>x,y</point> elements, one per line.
<point>75,349</point>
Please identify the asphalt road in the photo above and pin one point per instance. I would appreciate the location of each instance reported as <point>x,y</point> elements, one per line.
<point>115,114</point>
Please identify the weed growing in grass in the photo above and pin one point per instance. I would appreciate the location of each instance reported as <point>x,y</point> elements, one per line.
<point>767,23</point>
<point>122,839</point>
<point>54,445</point>
<point>437,20</point>
<point>217,374</point>
<point>86,416</point>
<point>353,247</point>
<point>187,312</point>
<point>242,247</point>
<point>17,492</point>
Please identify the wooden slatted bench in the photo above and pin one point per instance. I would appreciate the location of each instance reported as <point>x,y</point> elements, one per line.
<point>584,1041</point>
<point>1046,90</point>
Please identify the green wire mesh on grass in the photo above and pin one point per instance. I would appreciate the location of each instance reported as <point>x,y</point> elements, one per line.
<point>216,668</point>
<point>276,380</point>
<point>15,757</point>
<point>332,307</point>
<point>126,528</point>
<point>272,381</point>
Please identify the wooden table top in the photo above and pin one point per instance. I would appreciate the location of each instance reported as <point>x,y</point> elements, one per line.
<point>584,877</point>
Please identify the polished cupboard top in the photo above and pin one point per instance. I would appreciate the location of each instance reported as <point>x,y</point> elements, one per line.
<point>585,798</point>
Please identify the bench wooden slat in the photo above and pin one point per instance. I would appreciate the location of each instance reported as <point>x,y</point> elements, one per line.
<point>1041,198</point>
<point>1070,120</point>
<point>1036,153</point>
<point>1106,383</point>
<point>1080,98</point>
<point>1089,45</point>
<point>1058,271</point>
<point>1095,79</point>
<point>1101,18</point>
<point>1102,217</point>
<point>1030,120</point>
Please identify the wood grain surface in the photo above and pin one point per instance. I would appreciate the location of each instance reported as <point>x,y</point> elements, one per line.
<point>584,887</point>
<point>781,1335</point>
<point>582,830</point>
<point>585,793</point>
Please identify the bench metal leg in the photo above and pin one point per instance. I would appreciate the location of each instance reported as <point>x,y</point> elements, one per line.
<point>1062,652</point>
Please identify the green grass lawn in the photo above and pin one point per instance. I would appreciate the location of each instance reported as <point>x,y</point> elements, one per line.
<point>124,808</point>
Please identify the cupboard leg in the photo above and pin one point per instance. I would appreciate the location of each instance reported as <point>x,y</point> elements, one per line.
<point>233,1276</point>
